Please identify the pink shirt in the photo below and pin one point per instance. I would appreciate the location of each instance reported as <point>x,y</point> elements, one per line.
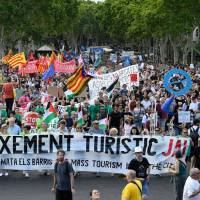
<point>23,101</point>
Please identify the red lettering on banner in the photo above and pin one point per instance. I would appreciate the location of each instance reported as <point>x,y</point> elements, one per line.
<point>65,67</point>
<point>30,68</point>
<point>184,147</point>
<point>169,148</point>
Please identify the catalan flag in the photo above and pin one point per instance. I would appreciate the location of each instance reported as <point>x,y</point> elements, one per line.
<point>17,60</point>
<point>78,81</point>
<point>6,58</point>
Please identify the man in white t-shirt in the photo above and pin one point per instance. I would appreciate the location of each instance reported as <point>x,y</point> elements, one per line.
<point>194,104</point>
<point>192,186</point>
<point>146,102</point>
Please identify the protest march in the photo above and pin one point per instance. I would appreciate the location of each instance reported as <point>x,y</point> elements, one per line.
<point>101,104</point>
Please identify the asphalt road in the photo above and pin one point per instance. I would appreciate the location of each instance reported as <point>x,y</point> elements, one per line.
<point>16,187</point>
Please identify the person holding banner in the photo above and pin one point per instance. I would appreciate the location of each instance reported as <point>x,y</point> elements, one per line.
<point>63,178</point>
<point>180,174</point>
<point>142,167</point>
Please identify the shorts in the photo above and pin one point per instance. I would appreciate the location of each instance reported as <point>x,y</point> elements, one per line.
<point>63,195</point>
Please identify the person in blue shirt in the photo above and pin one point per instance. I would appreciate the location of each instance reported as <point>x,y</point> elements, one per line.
<point>95,128</point>
<point>13,128</point>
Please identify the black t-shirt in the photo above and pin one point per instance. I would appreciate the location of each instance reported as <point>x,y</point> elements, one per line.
<point>62,173</point>
<point>197,156</point>
<point>115,119</point>
<point>139,167</point>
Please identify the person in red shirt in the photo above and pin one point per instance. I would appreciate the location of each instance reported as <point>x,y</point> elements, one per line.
<point>8,95</point>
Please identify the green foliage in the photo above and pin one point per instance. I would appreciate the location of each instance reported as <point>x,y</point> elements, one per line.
<point>112,20</point>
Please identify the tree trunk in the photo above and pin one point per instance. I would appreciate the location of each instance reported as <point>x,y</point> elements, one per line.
<point>175,49</point>
<point>163,44</point>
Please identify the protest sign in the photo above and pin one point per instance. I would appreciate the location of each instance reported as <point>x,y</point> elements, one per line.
<point>65,67</point>
<point>30,68</point>
<point>88,152</point>
<point>62,109</point>
<point>184,117</point>
<point>55,91</point>
<point>30,119</point>
<point>105,80</point>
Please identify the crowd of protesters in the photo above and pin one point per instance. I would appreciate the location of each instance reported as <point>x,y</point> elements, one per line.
<point>135,111</point>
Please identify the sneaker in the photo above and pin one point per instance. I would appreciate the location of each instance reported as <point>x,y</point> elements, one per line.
<point>6,173</point>
<point>1,174</point>
<point>26,175</point>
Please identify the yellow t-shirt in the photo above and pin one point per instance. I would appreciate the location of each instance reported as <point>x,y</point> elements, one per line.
<point>132,192</point>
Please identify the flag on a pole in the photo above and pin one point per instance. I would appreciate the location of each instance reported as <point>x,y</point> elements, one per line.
<point>50,114</point>
<point>80,120</point>
<point>166,105</point>
<point>112,86</point>
<point>7,57</point>
<point>78,81</point>
<point>50,71</point>
<point>103,123</point>
<point>17,60</point>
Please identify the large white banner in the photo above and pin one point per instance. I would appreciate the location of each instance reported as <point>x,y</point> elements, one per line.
<point>105,80</point>
<point>89,153</point>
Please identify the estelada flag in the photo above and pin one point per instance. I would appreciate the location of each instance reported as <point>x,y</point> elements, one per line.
<point>17,60</point>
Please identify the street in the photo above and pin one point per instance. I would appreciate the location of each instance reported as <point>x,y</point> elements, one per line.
<point>15,186</point>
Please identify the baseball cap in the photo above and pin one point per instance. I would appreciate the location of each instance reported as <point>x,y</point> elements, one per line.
<point>138,149</point>
<point>96,122</point>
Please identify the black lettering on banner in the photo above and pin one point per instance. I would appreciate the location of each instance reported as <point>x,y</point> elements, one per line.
<point>108,145</point>
<point>54,142</point>
<point>152,140</point>
<point>106,164</point>
<point>137,141</point>
<point>156,166</point>
<point>124,140</point>
<point>15,144</point>
<point>29,143</point>
<point>145,146</point>
<point>118,145</point>
<point>96,139</point>
<point>41,143</point>
<point>28,161</point>
<point>4,144</point>
<point>68,137</point>
<point>87,137</point>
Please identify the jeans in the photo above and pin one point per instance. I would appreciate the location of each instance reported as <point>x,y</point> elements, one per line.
<point>145,187</point>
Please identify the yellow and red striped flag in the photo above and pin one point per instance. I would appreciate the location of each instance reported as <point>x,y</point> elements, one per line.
<point>78,81</point>
<point>17,60</point>
<point>6,58</point>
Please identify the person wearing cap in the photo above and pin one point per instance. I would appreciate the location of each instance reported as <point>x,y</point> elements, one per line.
<point>95,128</point>
<point>192,186</point>
<point>179,170</point>
<point>141,165</point>
<point>133,190</point>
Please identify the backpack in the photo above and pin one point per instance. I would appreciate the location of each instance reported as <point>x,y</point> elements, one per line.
<point>66,164</point>
<point>194,135</point>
